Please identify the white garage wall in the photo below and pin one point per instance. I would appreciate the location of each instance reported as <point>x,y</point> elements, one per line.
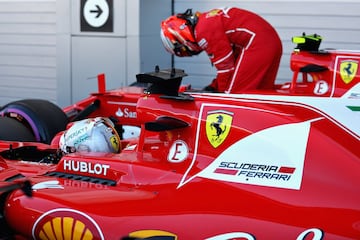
<point>336,21</point>
<point>27,49</point>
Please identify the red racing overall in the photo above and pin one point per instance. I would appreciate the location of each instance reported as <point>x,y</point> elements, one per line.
<point>244,48</point>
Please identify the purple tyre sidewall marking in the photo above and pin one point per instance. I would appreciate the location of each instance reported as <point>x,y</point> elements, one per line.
<point>28,119</point>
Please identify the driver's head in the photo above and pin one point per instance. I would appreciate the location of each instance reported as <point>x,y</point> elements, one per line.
<point>91,135</point>
<point>177,34</point>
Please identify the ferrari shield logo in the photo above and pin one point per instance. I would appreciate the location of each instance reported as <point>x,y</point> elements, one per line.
<point>348,70</point>
<point>218,124</point>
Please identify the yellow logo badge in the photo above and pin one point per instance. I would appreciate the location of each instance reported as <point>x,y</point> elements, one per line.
<point>115,143</point>
<point>153,234</point>
<point>213,13</point>
<point>65,223</point>
<point>218,125</point>
<point>348,70</point>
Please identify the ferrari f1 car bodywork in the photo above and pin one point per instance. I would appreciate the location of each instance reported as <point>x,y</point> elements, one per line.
<point>277,165</point>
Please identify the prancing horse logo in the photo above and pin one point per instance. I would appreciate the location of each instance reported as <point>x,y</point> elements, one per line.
<point>348,70</point>
<point>218,124</point>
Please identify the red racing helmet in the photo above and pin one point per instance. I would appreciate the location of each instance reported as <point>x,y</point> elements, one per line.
<point>177,35</point>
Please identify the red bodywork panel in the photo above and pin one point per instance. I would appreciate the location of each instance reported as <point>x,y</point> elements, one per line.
<point>280,165</point>
<point>251,182</point>
<point>328,73</point>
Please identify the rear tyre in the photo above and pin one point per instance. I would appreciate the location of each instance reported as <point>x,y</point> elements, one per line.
<point>42,117</point>
<point>13,130</point>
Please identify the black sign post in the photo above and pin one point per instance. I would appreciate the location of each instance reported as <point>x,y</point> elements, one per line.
<point>96,16</point>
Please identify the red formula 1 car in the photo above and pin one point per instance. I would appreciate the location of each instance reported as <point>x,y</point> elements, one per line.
<point>194,165</point>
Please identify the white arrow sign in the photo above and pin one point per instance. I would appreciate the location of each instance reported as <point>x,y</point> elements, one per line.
<point>96,12</point>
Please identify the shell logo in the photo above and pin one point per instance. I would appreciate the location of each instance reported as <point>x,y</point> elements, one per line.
<point>66,224</point>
